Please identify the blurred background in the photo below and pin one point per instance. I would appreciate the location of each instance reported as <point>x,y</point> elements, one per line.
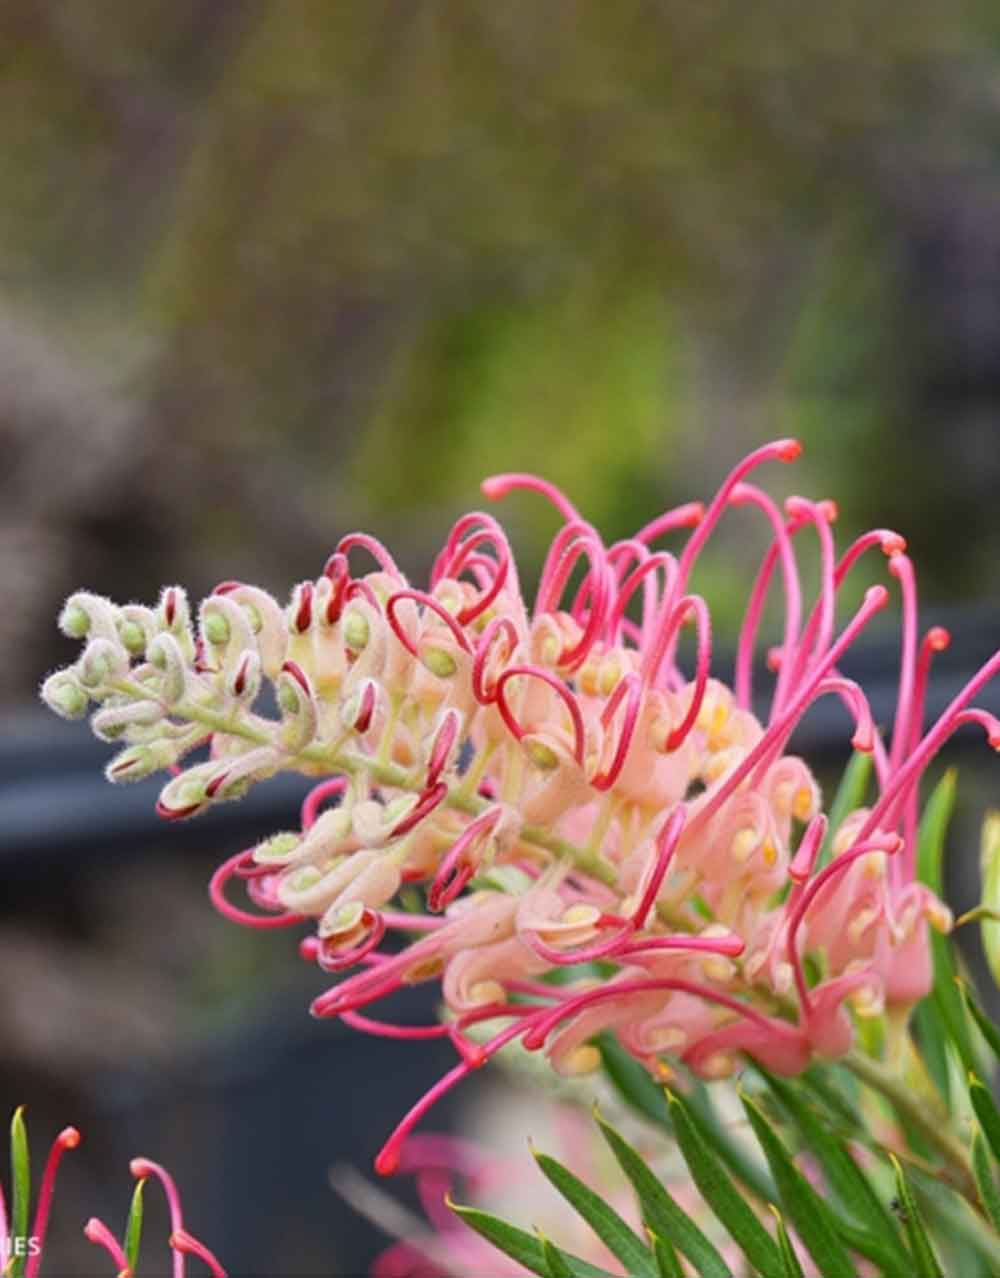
<point>273,270</point>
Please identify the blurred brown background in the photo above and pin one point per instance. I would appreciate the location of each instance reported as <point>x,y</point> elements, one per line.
<point>269,271</point>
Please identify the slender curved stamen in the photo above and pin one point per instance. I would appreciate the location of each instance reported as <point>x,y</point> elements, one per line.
<point>216,892</point>
<point>901,568</point>
<point>887,843</point>
<point>857,704</point>
<point>431,798</point>
<point>686,516</point>
<point>665,846</point>
<point>632,688</point>
<point>644,574</point>
<point>375,548</point>
<point>458,555</point>
<point>68,1138</point>
<point>558,687</point>
<point>890,543</point>
<point>802,863</point>
<point>785,450</point>
<point>573,542</point>
<point>484,648</point>
<point>496,487</point>
<point>96,1231</point>
<point>383,1029</point>
<point>780,549</point>
<point>876,597</point>
<point>428,601</point>
<point>317,796</point>
<point>141,1168</point>
<point>547,1022</point>
<point>186,1244</point>
<point>456,870</point>
<point>363,589</point>
<point>910,771</point>
<point>818,634</point>
<point>387,1161</point>
<point>664,642</point>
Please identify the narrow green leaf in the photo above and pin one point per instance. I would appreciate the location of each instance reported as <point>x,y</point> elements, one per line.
<point>989,862</point>
<point>616,1235</point>
<point>812,1218</point>
<point>845,1178</point>
<point>667,1262</point>
<point>836,1090</point>
<point>721,1195</point>
<point>661,1214</point>
<point>986,1027</point>
<point>789,1260</point>
<point>925,1261</point>
<point>986,1183</point>
<point>632,1081</point>
<point>133,1227</point>
<point>945,998</point>
<point>986,1111</point>
<point>521,1246</point>
<point>849,797</point>
<point>20,1171</point>
<point>555,1265</point>
<point>744,1165</point>
<point>931,1037</point>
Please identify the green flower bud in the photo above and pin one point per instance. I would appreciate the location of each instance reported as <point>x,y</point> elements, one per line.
<point>132,636</point>
<point>277,848</point>
<point>215,627</point>
<point>74,621</point>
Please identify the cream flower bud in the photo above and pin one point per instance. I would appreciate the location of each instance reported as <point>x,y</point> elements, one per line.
<point>136,627</point>
<point>299,712</point>
<point>112,722</point>
<point>63,693</point>
<point>173,614</point>
<point>101,662</point>
<point>140,761</point>
<point>167,657</point>
<point>89,616</point>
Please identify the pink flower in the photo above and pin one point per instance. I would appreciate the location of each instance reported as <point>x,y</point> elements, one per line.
<point>562,788</point>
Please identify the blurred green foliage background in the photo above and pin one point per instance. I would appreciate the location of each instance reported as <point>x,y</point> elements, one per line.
<point>273,268</point>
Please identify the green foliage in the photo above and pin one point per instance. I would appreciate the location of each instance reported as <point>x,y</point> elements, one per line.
<point>20,1173</point>
<point>133,1226</point>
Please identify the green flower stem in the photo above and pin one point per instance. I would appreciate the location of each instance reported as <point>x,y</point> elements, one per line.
<point>586,859</point>
<point>926,1117</point>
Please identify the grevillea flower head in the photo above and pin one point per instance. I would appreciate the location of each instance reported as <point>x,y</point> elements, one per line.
<point>28,1250</point>
<point>563,786</point>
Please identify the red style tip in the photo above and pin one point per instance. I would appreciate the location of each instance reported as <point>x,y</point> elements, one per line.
<point>68,1138</point>
<point>788,450</point>
<point>938,638</point>
<point>387,1162</point>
